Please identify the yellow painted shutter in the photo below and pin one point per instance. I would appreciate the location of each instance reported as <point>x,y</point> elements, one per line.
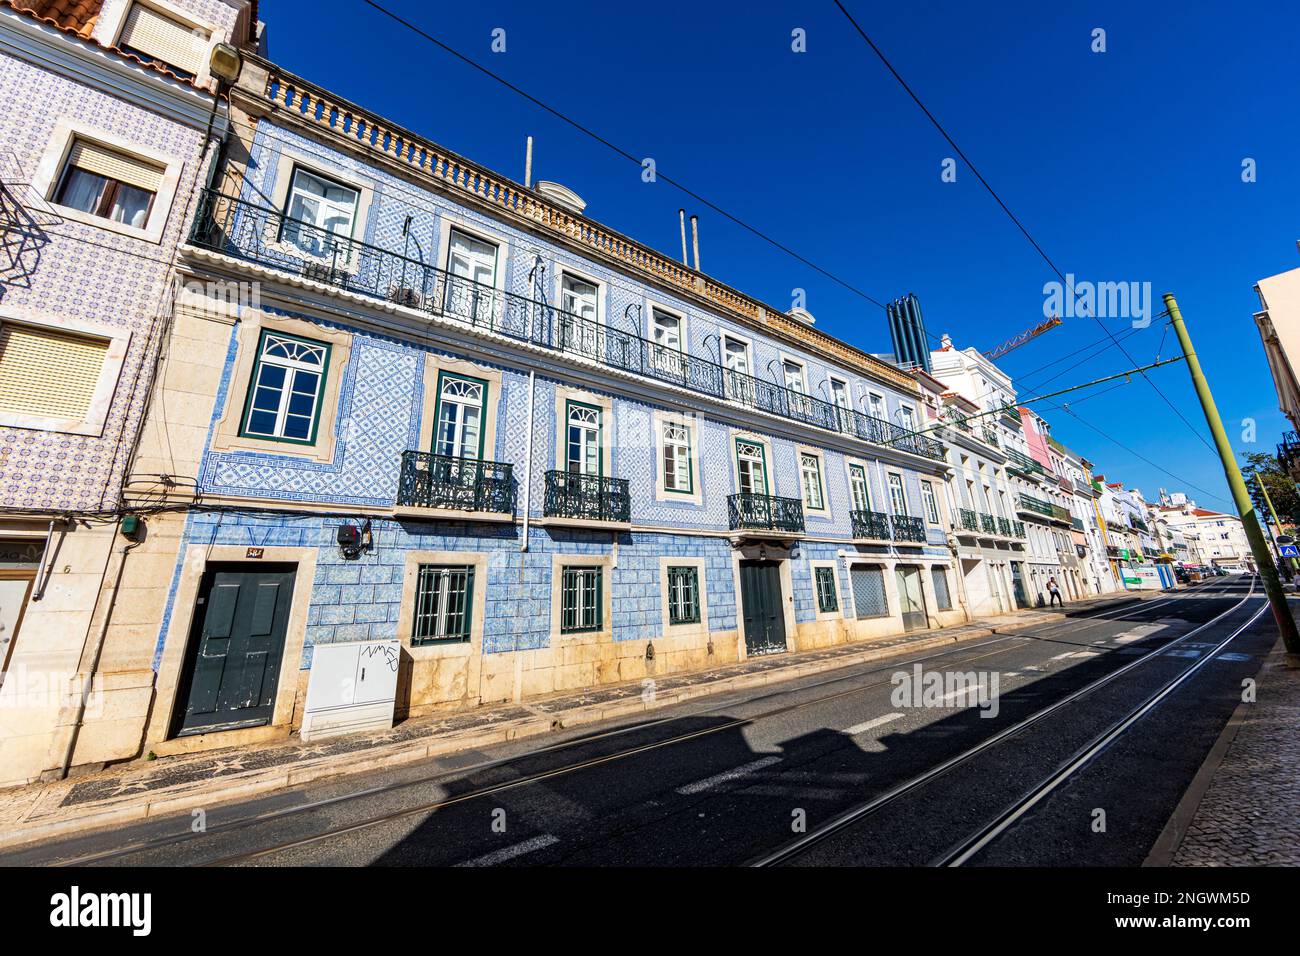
<point>107,162</point>
<point>48,373</point>
<point>166,39</point>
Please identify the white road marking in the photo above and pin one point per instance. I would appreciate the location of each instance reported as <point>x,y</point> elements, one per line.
<point>510,852</point>
<point>1061,657</point>
<point>871,724</point>
<point>744,770</point>
<point>1085,654</point>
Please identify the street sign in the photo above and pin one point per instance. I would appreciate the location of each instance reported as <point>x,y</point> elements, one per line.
<point>1290,551</point>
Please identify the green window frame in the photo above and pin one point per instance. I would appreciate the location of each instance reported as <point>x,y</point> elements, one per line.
<point>284,366</point>
<point>828,595</point>
<point>444,604</point>
<point>762,463</point>
<point>435,439</point>
<point>582,606</point>
<point>683,595</point>
<point>570,427</point>
<point>671,456</point>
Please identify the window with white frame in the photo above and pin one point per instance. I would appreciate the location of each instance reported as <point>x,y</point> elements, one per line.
<point>462,407</point>
<point>108,183</point>
<point>897,497</point>
<point>676,440</point>
<point>735,356</point>
<point>810,475</point>
<point>666,333</point>
<point>579,314</point>
<point>859,488</point>
<point>585,454</point>
<point>471,281</point>
<point>285,391</point>
<point>320,215</point>
<point>930,502</point>
<point>794,378</point>
<point>840,393</point>
<point>751,467</point>
<point>876,405</point>
<point>907,416</point>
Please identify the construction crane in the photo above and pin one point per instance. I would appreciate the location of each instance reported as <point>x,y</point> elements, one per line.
<point>1012,344</point>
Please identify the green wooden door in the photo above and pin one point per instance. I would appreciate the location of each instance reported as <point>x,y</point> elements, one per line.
<point>760,599</point>
<point>235,649</point>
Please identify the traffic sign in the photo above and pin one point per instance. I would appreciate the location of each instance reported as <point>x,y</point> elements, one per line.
<point>1290,551</point>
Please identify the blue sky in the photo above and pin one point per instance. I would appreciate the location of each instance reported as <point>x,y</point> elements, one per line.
<point>1125,165</point>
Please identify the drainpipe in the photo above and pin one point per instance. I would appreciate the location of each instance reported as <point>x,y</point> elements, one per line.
<point>528,462</point>
<point>75,732</point>
<point>44,578</point>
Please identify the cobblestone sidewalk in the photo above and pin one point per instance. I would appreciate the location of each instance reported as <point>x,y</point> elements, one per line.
<point>1248,815</point>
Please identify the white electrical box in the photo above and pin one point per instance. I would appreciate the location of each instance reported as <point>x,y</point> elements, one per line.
<point>352,688</point>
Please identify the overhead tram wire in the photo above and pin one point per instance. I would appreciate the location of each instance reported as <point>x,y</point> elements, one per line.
<point>1012,216</point>
<point>587,131</point>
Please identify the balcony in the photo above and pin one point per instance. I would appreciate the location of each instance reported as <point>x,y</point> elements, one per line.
<point>582,499</point>
<point>765,513</point>
<point>1076,524</point>
<point>990,436</point>
<point>1023,465</point>
<point>266,237</point>
<point>908,528</point>
<point>1018,528</point>
<point>1032,505</point>
<point>870,525</point>
<point>1004,527</point>
<point>988,525</point>
<point>455,486</point>
<point>968,520</point>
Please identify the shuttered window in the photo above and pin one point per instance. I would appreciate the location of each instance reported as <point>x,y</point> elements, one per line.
<point>107,183</point>
<point>48,373</point>
<point>828,597</point>
<point>153,36</point>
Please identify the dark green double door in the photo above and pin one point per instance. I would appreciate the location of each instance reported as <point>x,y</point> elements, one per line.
<point>236,645</point>
<point>761,607</point>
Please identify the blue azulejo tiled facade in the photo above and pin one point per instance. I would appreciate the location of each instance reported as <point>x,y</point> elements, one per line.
<point>537,455</point>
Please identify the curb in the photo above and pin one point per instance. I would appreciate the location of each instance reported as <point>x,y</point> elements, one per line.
<point>1171,838</point>
<point>201,794</point>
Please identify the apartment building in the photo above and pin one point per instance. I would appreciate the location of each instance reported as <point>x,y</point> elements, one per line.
<point>463,416</point>
<point>107,120</point>
<point>974,402</point>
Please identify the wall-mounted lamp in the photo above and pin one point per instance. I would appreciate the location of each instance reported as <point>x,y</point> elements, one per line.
<point>225,63</point>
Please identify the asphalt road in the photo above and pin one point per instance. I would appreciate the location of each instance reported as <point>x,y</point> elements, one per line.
<point>728,779</point>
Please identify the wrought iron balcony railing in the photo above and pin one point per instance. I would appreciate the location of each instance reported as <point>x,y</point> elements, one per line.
<point>1019,528</point>
<point>456,484</point>
<point>586,497</point>
<point>990,436</point>
<point>1036,505</point>
<point>908,528</point>
<point>1019,461</point>
<point>968,520</point>
<point>267,237</point>
<point>1004,527</point>
<point>872,525</point>
<point>1076,524</point>
<point>753,512</point>
<point>988,525</point>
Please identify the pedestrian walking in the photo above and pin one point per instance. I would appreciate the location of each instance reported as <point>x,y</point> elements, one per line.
<point>1054,590</point>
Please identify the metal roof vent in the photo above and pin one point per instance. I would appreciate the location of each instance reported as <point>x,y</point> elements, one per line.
<point>803,315</point>
<point>561,196</point>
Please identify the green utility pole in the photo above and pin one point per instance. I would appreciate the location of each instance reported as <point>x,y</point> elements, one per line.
<point>1259,483</point>
<point>1245,507</point>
